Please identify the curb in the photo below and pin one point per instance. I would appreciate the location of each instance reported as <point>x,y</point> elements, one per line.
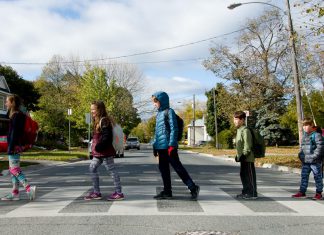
<point>264,165</point>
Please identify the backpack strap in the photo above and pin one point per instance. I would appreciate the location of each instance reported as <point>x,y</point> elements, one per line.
<point>166,119</point>
<point>312,138</point>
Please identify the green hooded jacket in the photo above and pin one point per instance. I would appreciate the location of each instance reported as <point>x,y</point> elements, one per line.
<point>244,142</point>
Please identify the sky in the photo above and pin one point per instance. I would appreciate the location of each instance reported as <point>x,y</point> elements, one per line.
<point>33,31</point>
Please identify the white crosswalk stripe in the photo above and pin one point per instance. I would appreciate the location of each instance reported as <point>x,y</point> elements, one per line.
<point>213,200</point>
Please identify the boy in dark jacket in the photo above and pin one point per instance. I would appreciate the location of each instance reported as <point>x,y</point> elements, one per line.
<point>311,153</point>
<point>165,146</point>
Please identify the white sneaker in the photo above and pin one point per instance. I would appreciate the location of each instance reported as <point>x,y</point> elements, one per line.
<point>11,197</point>
<point>32,193</point>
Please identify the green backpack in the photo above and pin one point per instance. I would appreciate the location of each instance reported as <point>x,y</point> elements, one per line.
<point>258,147</point>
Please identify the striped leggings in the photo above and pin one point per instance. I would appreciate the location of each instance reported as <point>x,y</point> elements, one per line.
<point>109,164</point>
<point>16,174</point>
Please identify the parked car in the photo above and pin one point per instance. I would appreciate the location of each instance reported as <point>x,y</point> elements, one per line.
<point>118,153</point>
<point>132,143</point>
<point>202,143</point>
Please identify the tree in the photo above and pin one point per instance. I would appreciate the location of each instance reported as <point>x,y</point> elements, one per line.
<point>223,120</point>
<point>95,85</point>
<point>17,85</point>
<point>260,64</point>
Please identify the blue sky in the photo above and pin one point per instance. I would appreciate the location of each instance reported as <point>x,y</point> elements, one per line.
<point>33,31</point>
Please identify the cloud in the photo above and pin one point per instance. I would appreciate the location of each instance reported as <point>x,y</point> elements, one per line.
<point>179,87</point>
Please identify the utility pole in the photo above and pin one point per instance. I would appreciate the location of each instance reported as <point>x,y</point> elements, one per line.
<point>295,74</point>
<point>69,114</point>
<point>215,116</point>
<point>194,121</point>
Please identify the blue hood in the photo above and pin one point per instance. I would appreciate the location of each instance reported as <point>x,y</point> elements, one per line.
<point>163,98</point>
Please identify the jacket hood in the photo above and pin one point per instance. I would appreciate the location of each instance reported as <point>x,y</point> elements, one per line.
<point>163,98</point>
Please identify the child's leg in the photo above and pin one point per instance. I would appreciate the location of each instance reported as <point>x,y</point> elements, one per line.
<point>16,174</point>
<point>110,166</point>
<point>317,171</point>
<point>94,164</point>
<point>306,169</point>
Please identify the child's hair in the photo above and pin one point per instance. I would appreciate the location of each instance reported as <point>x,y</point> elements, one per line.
<point>101,113</point>
<point>239,115</point>
<point>154,99</point>
<point>16,102</point>
<point>308,122</point>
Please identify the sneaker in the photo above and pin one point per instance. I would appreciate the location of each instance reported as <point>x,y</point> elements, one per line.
<point>195,192</point>
<point>93,196</point>
<point>318,196</point>
<point>299,195</point>
<point>11,197</point>
<point>163,195</point>
<point>240,196</point>
<point>249,197</point>
<point>32,193</point>
<point>116,197</point>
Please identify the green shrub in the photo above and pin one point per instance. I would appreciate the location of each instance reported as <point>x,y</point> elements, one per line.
<point>225,139</point>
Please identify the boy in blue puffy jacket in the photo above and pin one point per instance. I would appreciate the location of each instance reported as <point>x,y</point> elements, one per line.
<point>165,147</point>
<point>311,156</point>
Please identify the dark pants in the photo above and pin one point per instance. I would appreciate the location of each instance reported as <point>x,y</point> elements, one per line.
<point>164,165</point>
<point>248,178</point>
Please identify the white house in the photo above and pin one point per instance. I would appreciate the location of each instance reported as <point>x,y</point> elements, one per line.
<point>200,131</point>
<point>4,92</point>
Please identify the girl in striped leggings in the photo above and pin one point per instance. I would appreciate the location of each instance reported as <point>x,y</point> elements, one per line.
<point>16,127</point>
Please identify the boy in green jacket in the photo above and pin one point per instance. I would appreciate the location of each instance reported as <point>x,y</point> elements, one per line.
<point>245,156</point>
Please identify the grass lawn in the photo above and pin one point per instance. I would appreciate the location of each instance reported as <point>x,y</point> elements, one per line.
<point>53,155</point>
<point>283,156</point>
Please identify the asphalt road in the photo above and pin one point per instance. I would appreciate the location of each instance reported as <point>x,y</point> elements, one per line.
<point>60,208</point>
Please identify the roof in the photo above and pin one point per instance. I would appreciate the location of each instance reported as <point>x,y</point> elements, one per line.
<point>198,122</point>
<point>3,85</point>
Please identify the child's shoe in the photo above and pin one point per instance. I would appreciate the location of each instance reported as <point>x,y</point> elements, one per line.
<point>32,193</point>
<point>11,197</point>
<point>299,195</point>
<point>318,196</point>
<point>93,196</point>
<point>195,192</point>
<point>116,197</point>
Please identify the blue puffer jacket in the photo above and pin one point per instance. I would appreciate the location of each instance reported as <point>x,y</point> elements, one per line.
<point>164,136</point>
<point>312,148</point>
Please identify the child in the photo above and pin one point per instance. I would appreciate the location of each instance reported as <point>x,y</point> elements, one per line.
<point>165,146</point>
<point>310,155</point>
<point>103,152</point>
<point>16,127</point>
<point>246,157</point>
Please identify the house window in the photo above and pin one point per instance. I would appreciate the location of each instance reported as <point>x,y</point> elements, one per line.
<point>2,103</point>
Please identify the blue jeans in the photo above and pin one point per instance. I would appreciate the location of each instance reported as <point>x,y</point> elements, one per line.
<point>316,168</point>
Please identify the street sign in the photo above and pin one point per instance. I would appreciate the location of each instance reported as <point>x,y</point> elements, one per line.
<point>88,118</point>
<point>247,113</point>
<point>69,112</point>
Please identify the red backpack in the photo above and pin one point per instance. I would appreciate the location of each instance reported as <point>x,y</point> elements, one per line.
<point>30,132</point>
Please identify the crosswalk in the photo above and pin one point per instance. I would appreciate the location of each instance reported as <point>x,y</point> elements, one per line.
<point>213,201</point>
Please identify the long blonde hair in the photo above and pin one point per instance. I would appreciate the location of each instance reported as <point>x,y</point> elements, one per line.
<point>101,113</point>
<point>16,103</point>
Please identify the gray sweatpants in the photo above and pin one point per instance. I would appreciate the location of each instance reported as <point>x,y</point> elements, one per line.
<point>109,164</point>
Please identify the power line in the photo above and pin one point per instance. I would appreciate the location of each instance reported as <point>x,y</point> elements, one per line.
<point>130,55</point>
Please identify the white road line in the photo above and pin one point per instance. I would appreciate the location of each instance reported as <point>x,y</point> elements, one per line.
<point>49,204</point>
<point>306,207</point>
<point>138,201</point>
<point>215,201</point>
